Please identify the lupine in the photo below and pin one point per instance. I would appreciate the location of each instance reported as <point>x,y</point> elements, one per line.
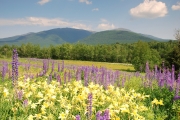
<point>20,94</point>
<point>15,66</point>
<point>25,102</point>
<point>52,66</point>
<point>62,69</point>
<point>89,107</point>
<point>59,79</point>
<point>4,70</point>
<point>98,115</point>
<point>58,67</point>
<point>78,117</point>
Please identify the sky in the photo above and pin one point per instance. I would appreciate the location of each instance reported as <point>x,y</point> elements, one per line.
<point>159,18</point>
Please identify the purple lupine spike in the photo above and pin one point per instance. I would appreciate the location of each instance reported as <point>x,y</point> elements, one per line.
<point>52,66</point>
<point>98,115</point>
<point>15,67</point>
<point>50,78</point>
<point>62,69</point>
<point>78,117</point>
<point>65,75</point>
<point>59,67</point>
<point>25,102</point>
<point>4,70</point>
<point>123,81</point>
<point>55,75</point>
<point>89,107</point>
<point>106,115</point>
<point>59,79</point>
<point>173,73</point>
<point>45,67</point>
<point>77,74</point>
<point>20,94</point>
<point>86,77</point>
<point>147,71</point>
<point>69,76</point>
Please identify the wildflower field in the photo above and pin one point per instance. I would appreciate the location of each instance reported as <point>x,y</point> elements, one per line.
<point>45,89</point>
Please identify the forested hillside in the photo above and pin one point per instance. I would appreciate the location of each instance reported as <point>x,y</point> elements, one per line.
<point>137,53</point>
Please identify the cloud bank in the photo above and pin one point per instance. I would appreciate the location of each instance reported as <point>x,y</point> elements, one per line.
<point>39,21</point>
<point>95,9</point>
<point>106,26</point>
<point>85,1</point>
<point>176,7</point>
<point>42,2</point>
<point>149,9</point>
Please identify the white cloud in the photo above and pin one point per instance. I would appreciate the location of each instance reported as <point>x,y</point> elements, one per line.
<point>176,7</point>
<point>95,9</point>
<point>106,26</point>
<point>42,2</point>
<point>149,9</point>
<point>39,21</point>
<point>86,1</point>
<point>104,20</point>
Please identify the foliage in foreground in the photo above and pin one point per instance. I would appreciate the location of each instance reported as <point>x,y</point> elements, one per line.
<point>42,99</point>
<point>71,92</point>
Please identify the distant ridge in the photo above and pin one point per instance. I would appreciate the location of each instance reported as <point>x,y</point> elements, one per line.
<point>71,35</point>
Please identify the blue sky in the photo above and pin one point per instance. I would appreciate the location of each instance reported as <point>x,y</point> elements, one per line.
<point>159,18</point>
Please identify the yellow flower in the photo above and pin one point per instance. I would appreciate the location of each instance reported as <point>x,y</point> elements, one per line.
<point>28,94</point>
<point>39,95</point>
<point>38,116</point>
<point>33,105</point>
<point>14,109</point>
<point>160,102</point>
<point>62,116</point>
<point>124,110</point>
<point>5,92</point>
<point>30,117</point>
<point>155,101</point>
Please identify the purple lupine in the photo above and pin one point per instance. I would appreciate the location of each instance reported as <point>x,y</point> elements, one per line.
<point>89,107</point>
<point>78,117</point>
<point>98,115</point>
<point>177,97</point>
<point>106,115</point>
<point>69,76</point>
<point>25,102</point>
<point>65,75</point>
<point>59,67</point>
<point>62,69</point>
<point>20,94</point>
<point>55,75</point>
<point>59,79</point>
<point>14,67</point>
<point>173,73</point>
<point>50,78</point>
<point>4,71</point>
<point>86,77</point>
<point>45,67</point>
<point>52,66</point>
<point>147,70</point>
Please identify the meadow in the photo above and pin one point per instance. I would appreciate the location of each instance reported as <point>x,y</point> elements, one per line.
<point>46,89</point>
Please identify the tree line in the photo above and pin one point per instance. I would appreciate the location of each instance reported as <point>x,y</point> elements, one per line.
<point>136,53</point>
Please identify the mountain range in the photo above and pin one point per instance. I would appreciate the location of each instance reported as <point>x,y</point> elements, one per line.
<point>71,35</point>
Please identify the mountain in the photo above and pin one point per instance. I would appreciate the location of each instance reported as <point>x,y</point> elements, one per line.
<point>71,35</point>
<point>114,36</point>
<point>154,38</point>
<point>45,38</point>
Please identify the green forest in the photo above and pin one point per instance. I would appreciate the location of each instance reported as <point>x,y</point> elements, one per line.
<point>155,53</point>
